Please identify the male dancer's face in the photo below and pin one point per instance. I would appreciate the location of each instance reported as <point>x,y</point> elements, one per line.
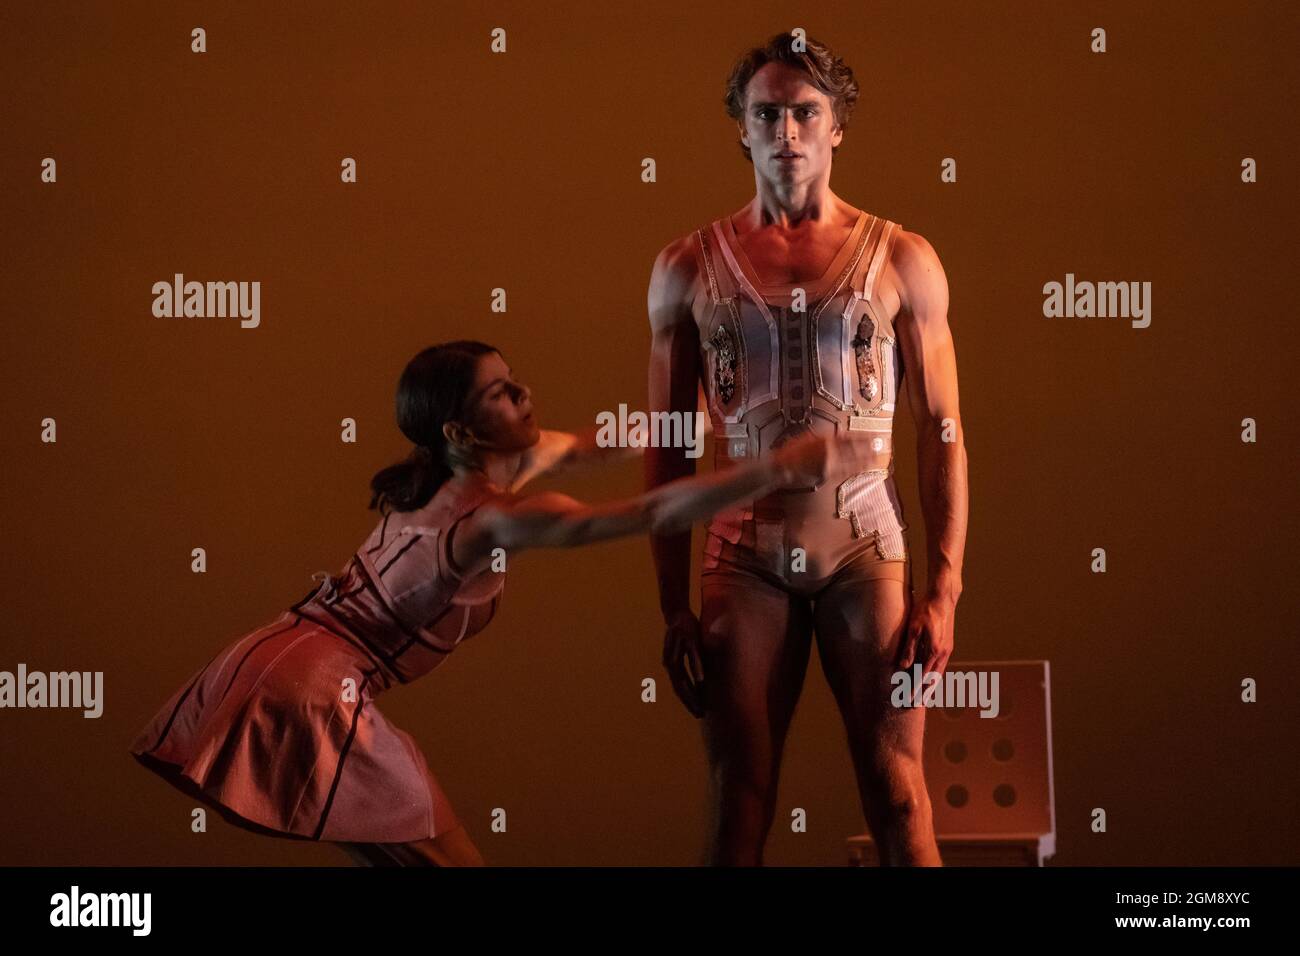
<point>499,410</point>
<point>788,126</point>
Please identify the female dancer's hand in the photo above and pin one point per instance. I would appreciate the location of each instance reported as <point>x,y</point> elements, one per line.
<point>814,459</point>
<point>682,659</point>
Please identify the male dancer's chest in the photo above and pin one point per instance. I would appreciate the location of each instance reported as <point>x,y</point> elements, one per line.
<point>781,359</point>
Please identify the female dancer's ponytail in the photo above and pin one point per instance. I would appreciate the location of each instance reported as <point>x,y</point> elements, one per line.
<point>430,393</point>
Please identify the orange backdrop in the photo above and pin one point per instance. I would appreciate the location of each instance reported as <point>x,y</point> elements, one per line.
<point>523,171</point>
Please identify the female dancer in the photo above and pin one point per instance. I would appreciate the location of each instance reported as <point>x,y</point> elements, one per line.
<point>279,732</point>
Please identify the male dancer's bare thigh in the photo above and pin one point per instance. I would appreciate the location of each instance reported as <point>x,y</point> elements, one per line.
<point>755,640</point>
<point>453,848</point>
<point>860,618</point>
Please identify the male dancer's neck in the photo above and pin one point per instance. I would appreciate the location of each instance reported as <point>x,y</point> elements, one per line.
<point>788,210</point>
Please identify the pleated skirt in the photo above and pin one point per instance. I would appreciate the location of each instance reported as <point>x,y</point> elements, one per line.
<point>280,733</point>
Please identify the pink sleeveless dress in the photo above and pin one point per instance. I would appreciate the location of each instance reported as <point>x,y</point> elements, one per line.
<point>280,731</point>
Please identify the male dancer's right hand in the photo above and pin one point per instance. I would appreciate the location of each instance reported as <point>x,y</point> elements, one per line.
<point>682,659</point>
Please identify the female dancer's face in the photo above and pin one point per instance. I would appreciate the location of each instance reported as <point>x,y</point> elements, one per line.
<point>500,409</point>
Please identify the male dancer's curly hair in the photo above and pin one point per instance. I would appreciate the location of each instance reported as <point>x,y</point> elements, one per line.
<point>825,70</point>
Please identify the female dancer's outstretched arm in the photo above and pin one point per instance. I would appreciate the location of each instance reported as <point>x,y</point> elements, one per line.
<point>557,452</point>
<point>553,520</point>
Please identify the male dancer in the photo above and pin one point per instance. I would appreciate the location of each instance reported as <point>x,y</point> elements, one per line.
<point>798,313</point>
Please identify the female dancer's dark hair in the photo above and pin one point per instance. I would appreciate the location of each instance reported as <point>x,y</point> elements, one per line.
<point>430,393</point>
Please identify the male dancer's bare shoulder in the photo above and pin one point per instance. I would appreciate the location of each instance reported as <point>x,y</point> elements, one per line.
<point>914,288</point>
<point>673,282</point>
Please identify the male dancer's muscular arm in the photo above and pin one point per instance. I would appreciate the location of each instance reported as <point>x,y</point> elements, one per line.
<point>930,379</point>
<point>674,376</point>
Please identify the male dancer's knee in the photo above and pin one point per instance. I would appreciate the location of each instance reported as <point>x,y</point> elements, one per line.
<point>898,811</point>
<point>744,799</point>
<point>745,783</point>
<point>894,790</point>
